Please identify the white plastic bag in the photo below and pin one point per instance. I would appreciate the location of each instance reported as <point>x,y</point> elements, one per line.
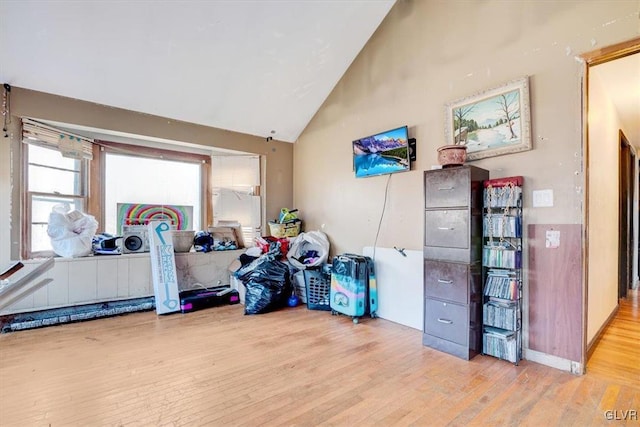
<point>71,232</point>
<point>306,242</point>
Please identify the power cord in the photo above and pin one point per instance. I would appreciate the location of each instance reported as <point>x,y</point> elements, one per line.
<point>384,207</point>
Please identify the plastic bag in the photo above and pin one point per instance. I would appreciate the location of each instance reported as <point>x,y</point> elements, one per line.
<point>71,231</point>
<point>267,243</point>
<point>310,249</point>
<point>267,282</point>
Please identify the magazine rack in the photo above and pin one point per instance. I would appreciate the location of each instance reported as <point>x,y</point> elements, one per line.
<point>502,265</point>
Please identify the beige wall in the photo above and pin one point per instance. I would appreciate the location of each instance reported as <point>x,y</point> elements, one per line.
<point>26,103</point>
<point>428,53</point>
<point>604,144</point>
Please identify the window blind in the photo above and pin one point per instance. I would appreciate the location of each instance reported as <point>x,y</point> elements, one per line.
<point>68,144</point>
<point>235,171</point>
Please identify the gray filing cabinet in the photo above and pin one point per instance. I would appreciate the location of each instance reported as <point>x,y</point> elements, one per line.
<point>452,260</point>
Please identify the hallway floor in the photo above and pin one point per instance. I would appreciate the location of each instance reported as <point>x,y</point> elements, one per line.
<point>617,354</point>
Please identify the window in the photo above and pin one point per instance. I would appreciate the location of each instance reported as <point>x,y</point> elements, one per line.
<point>50,179</point>
<point>134,176</point>
<point>94,177</point>
<point>236,189</point>
<point>134,180</point>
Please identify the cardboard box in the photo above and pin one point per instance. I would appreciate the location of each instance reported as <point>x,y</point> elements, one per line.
<point>233,234</point>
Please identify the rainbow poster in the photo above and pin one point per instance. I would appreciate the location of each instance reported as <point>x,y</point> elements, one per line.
<point>140,214</point>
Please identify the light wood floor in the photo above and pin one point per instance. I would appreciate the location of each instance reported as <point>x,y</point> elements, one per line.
<point>291,367</point>
<point>612,357</point>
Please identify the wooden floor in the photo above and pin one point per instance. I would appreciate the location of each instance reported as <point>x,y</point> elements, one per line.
<point>291,367</point>
<point>612,357</point>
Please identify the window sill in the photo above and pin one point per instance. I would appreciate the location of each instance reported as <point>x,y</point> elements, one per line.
<point>126,256</point>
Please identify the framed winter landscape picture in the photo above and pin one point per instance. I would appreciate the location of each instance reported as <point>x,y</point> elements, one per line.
<point>492,122</point>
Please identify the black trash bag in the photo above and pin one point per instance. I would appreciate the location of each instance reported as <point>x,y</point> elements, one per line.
<point>267,282</point>
<point>248,263</point>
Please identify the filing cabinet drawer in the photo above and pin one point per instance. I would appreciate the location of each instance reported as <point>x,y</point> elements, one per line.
<point>447,188</point>
<point>447,320</point>
<point>447,228</point>
<point>446,280</point>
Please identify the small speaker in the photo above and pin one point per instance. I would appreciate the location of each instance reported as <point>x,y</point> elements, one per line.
<point>135,239</point>
<point>412,149</point>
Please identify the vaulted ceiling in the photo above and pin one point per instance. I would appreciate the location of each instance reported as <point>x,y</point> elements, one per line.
<point>261,67</point>
<point>256,67</point>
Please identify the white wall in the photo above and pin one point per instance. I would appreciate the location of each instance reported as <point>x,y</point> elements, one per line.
<point>603,209</point>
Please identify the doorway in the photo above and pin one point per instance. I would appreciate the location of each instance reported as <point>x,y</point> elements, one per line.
<point>626,216</point>
<point>611,196</point>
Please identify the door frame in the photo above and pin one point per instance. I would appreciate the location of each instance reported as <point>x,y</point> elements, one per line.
<point>595,57</point>
<point>626,240</point>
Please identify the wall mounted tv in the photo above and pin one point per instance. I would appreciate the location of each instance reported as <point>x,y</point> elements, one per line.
<point>383,153</point>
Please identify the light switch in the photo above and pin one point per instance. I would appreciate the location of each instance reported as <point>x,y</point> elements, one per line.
<point>543,198</point>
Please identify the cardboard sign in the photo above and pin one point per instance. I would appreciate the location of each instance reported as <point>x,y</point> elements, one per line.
<point>163,267</point>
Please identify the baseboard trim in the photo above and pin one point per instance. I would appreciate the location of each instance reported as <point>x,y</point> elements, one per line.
<point>554,361</point>
<point>591,346</point>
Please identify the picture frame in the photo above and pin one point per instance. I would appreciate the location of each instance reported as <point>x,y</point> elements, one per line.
<point>492,122</point>
<point>128,214</point>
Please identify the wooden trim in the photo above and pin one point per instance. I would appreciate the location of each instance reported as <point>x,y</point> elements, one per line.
<point>26,205</point>
<point>612,52</point>
<point>95,180</point>
<point>25,244</point>
<point>626,160</point>
<point>592,58</point>
<point>598,336</point>
<point>206,216</point>
<point>585,212</point>
<point>207,208</point>
<point>158,153</point>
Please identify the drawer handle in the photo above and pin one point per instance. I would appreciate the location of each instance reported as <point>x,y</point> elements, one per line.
<point>447,321</point>
<point>445,228</point>
<point>445,188</point>
<point>446,282</point>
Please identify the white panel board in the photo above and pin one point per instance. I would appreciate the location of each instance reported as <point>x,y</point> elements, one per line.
<point>163,267</point>
<point>233,205</point>
<point>400,289</point>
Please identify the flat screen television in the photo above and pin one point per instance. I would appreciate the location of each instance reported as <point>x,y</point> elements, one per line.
<point>383,153</point>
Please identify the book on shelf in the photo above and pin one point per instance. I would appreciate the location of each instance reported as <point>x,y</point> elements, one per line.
<point>504,315</point>
<point>503,302</point>
<point>502,285</point>
<point>499,198</point>
<point>501,257</point>
<point>502,226</point>
<point>500,343</point>
<point>503,192</point>
<point>499,332</point>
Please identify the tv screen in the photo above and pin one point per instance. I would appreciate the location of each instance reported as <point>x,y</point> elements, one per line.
<point>382,153</point>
